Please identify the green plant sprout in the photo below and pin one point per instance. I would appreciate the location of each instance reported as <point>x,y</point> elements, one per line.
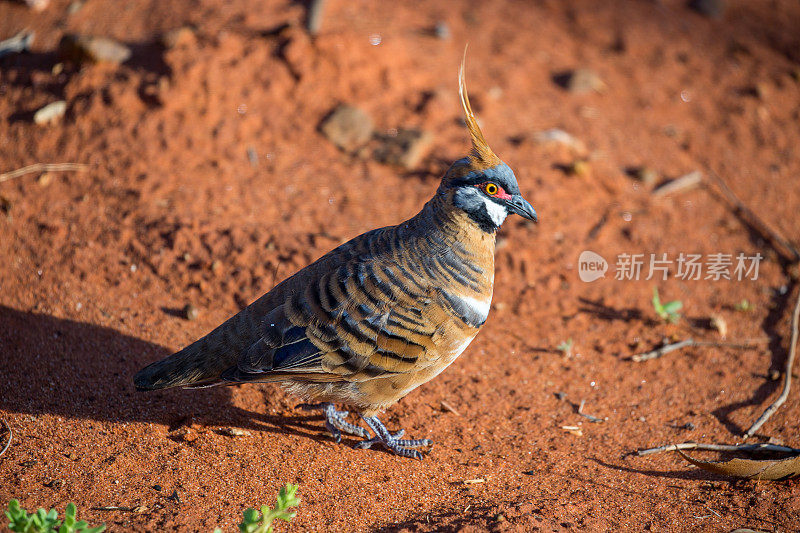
<point>744,305</point>
<point>666,311</point>
<point>255,522</point>
<point>565,347</point>
<point>47,521</point>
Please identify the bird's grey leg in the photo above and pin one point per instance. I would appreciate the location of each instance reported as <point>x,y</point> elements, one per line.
<point>335,421</point>
<point>391,441</point>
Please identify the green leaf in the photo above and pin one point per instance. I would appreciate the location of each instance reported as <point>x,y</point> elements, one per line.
<point>250,515</point>
<point>671,307</point>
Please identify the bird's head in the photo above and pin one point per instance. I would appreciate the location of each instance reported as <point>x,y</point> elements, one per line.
<point>480,184</point>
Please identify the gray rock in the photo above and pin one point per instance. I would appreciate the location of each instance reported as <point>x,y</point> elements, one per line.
<point>190,312</point>
<point>581,80</point>
<point>182,36</point>
<point>94,49</point>
<point>442,31</point>
<point>50,113</point>
<point>348,127</point>
<point>405,149</point>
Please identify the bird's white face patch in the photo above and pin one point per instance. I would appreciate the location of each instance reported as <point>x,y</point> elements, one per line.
<point>497,212</point>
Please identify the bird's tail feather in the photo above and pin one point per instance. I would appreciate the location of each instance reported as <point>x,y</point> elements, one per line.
<point>201,363</point>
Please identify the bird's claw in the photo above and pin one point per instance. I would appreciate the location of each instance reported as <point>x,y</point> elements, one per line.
<point>392,441</point>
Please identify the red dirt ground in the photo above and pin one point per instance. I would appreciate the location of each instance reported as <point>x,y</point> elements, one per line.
<point>97,264</point>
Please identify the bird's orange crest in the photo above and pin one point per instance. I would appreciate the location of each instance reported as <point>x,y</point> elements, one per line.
<point>481,157</point>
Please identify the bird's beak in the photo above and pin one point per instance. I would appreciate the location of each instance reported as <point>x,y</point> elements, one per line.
<point>520,206</point>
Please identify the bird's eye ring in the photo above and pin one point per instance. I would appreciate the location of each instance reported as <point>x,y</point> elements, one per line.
<point>491,189</point>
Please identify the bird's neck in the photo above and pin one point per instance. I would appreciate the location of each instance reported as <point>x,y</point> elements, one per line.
<point>452,225</point>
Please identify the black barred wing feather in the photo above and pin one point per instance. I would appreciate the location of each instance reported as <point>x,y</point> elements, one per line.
<point>362,320</point>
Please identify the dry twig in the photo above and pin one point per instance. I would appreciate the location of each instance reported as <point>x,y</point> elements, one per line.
<point>450,408</point>
<point>748,448</point>
<point>787,376</point>
<point>591,418</point>
<point>665,349</point>
<point>43,167</point>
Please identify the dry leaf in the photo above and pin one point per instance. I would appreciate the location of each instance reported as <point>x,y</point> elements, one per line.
<point>774,470</point>
<point>719,323</point>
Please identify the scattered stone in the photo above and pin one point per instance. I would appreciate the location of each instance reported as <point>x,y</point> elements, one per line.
<point>442,30</point>
<point>190,312</point>
<point>44,179</point>
<point>252,156</point>
<point>185,434</point>
<point>495,92</point>
<point>348,127</point>
<point>573,430</point>
<point>21,42</point>
<point>316,12</point>
<point>216,266</point>
<point>561,137</point>
<point>405,149</point>
<point>684,183</point>
<point>582,80</point>
<point>182,36</point>
<point>719,323</point>
<point>74,7</point>
<point>51,113</point>
<point>710,8</point>
<point>93,49</point>
<point>38,5</point>
<point>580,168</point>
<point>646,175</point>
<point>774,374</point>
<point>54,484</point>
<point>233,432</point>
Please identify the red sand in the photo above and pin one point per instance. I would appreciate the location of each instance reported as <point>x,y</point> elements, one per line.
<point>98,263</point>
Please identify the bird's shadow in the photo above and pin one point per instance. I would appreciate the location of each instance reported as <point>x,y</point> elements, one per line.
<point>83,371</point>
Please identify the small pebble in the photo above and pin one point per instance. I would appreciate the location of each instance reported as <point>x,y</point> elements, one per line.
<point>646,175</point>
<point>233,432</point>
<point>16,44</point>
<point>182,36</point>
<point>405,148</point>
<point>93,49</point>
<point>51,113</point>
<point>582,80</point>
<point>580,168</point>
<point>190,312</point>
<point>442,31</point>
<point>38,5</point>
<point>557,136</point>
<point>348,127</point>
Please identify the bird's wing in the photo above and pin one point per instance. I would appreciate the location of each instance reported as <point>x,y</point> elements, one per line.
<point>363,319</point>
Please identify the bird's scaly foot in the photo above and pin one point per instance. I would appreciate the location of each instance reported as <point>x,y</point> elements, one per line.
<point>390,441</point>
<point>335,420</point>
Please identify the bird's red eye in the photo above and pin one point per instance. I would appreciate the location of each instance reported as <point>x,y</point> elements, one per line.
<point>491,189</point>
